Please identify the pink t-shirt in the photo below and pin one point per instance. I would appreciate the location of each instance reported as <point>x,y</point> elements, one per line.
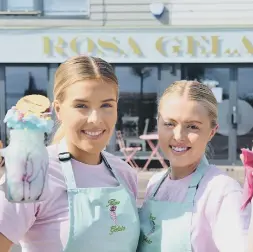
<point>45,226</point>
<point>218,224</point>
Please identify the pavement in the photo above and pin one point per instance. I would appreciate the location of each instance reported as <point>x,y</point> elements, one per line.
<point>236,172</point>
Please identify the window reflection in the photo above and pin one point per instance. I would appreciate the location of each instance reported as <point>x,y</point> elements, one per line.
<point>24,80</point>
<point>138,86</point>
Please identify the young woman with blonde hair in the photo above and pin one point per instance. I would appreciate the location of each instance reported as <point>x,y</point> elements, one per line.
<point>91,205</point>
<point>193,206</point>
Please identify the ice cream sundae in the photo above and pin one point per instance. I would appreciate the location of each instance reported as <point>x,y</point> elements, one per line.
<point>26,157</point>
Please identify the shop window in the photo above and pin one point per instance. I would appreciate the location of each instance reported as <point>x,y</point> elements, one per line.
<point>66,7</point>
<point>45,8</point>
<point>24,80</point>
<point>24,5</point>
<point>138,100</point>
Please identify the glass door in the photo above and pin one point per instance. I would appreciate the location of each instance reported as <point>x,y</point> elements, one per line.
<point>138,88</point>
<point>244,107</point>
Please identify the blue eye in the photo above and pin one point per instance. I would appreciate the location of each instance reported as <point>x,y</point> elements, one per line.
<point>168,124</point>
<point>81,106</point>
<point>106,105</point>
<point>194,127</point>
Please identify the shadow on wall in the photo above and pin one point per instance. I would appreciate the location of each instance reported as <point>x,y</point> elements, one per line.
<point>165,18</point>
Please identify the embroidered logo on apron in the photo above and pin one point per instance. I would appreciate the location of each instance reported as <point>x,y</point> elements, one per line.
<point>152,223</point>
<point>112,205</point>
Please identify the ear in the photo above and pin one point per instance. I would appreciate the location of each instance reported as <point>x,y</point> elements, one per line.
<point>57,109</point>
<point>213,132</point>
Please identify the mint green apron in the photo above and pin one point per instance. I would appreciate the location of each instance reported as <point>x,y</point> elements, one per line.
<point>166,226</point>
<point>101,219</point>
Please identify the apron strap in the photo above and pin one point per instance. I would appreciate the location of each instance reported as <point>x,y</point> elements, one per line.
<point>65,159</point>
<point>156,188</point>
<point>108,165</point>
<point>195,180</point>
<point>114,173</point>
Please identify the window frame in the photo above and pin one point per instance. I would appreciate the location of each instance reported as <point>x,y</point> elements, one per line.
<point>38,12</point>
<point>84,15</point>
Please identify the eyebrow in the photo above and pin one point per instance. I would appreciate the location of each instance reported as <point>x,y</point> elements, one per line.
<point>106,100</point>
<point>188,121</point>
<point>194,121</point>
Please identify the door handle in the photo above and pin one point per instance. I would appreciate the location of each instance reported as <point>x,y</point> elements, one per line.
<point>234,120</point>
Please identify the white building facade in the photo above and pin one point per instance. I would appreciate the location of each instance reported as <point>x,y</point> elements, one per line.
<point>211,41</point>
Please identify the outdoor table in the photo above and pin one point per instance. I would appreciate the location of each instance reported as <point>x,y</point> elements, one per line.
<point>154,148</point>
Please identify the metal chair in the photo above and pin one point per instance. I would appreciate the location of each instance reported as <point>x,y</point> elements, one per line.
<point>129,152</point>
<point>137,140</point>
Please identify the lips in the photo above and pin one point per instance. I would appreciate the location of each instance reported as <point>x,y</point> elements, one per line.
<point>93,134</point>
<point>181,149</point>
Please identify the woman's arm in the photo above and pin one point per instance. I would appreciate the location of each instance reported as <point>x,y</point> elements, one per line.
<point>230,224</point>
<point>250,236</point>
<point>5,244</point>
<point>15,221</point>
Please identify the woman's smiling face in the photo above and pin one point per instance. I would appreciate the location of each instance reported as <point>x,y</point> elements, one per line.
<point>89,114</point>
<point>184,130</point>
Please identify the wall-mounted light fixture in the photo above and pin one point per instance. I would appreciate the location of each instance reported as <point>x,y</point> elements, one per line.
<point>157,9</point>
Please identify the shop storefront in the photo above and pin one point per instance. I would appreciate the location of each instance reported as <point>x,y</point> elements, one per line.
<point>146,63</point>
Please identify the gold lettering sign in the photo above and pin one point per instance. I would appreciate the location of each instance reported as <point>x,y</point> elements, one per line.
<point>159,46</point>
<point>111,46</point>
<point>59,47</point>
<point>47,46</point>
<point>135,47</point>
<point>215,45</point>
<point>248,45</point>
<point>92,48</point>
<point>73,45</point>
<point>164,46</point>
<point>194,43</point>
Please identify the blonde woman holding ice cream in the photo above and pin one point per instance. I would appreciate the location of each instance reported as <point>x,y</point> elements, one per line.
<point>91,205</point>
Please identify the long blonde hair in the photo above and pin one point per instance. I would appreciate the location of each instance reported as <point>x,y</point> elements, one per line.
<point>194,91</point>
<point>77,69</point>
